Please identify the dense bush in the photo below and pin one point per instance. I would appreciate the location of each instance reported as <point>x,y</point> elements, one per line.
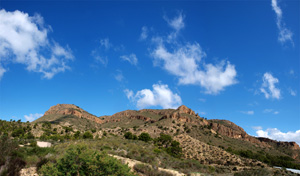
<point>11,159</point>
<point>80,160</point>
<point>129,135</point>
<point>145,137</point>
<point>87,135</point>
<point>171,146</point>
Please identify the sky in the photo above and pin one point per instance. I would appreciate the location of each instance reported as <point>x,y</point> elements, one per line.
<point>233,60</point>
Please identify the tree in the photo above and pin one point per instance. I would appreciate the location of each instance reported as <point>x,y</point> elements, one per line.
<point>77,135</point>
<point>128,135</point>
<point>80,160</point>
<point>87,135</point>
<point>145,137</point>
<point>175,150</point>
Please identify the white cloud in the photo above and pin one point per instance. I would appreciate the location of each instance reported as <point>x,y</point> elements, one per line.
<point>202,100</point>
<point>284,33</point>
<point>176,23</point>
<point>271,111</point>
<point>161,95</point>
<point>24,40</point>
<point>129,93</point>
<point>292,92</point>
<point>32,117</point>
<point>144,33</point>
<point>132,59</point>
<point>268,87</point>
<point>276,112</point>
<point>247,112</point>
<point>268,110</point>
<point>119,76</point>
<point>274,133</point>
<point>99,59</point>
<point>184,62</point>
<point>2,71</point>
<point>105,43</point>
<point>257,127</point>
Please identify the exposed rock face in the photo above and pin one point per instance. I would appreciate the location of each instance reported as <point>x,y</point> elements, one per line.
<point>229,129</point>
<point>69,109</point>
<point>290,145</point>
<point>184,109</point>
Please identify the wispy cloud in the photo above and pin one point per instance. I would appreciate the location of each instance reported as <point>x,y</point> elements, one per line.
<point>32,117</point>
<point>268,86</point>
<point>271,111</point>
<point>24,40</point>
<point>119,76</point>
<point>2,71</point>
<point>144,33</point>
<point>177,23</point>
<point>257,127</point>
<point>161,95</point>
<point>105,43</point>
<point>132,59</point>
<point>293,92</point>
<point>285,34</point>
<point>247,112</point>
<point>99,59</point>
<point>274,133</point>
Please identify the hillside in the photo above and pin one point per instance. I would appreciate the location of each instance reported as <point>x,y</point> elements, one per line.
<point>213,146</point>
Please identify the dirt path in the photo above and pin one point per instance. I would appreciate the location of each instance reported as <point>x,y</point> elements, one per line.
<point>132,162</point>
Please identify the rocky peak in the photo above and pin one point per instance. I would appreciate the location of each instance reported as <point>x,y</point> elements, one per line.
<point>184,109</point>
<point>57,109</point>
<point>70,109</point>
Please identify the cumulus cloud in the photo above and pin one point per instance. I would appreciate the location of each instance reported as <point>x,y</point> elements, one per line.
<point>161,95</point>
<point>268,87</point>
<point>24,40</point>
<point>32,117</point>
<point>184,62</point>
<point>274,133</point>
<point>247,112</point>
<point>144,33</point>
<point>284,33</point>
<point>132,59</point>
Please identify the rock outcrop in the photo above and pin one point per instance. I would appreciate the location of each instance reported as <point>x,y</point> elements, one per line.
<point>69,109</point>
<point>186,110</point>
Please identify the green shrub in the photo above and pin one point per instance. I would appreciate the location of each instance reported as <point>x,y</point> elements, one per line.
<point>77,135</point>
<point>128,135</point>
<point>80,160</point>
<point>145,137</point>
<point>87,135</point>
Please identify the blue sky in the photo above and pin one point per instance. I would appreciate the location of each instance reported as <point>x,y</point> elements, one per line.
<point>234,60</point>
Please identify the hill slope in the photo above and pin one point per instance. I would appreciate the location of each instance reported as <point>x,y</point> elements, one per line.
<point>219,142</point>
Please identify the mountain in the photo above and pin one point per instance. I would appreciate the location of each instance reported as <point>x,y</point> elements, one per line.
<point>218,140</point>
